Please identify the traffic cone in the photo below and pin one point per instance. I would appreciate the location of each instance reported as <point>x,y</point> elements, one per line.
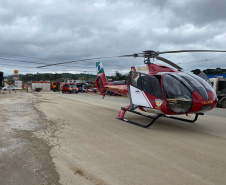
<point>9,92</point>
<point>15,91</point>
<point>3,92</point>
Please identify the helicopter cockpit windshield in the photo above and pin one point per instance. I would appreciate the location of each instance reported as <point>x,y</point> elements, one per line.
<point>178,93</point>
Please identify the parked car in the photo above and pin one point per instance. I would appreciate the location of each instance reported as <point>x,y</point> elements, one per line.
<point>112,93</point>
<point>94,90</point>
<point>10,88</point>
<point>88,90</point>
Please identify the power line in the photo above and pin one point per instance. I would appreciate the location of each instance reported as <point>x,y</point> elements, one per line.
<point>202,61</point>
<point>207,59</point>
<point>24,61</point>
<point>20,60</point>
<point>15,65</point>
<point>3,52</point>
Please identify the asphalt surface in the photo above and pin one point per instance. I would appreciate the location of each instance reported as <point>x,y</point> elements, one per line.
<point>82,142</point>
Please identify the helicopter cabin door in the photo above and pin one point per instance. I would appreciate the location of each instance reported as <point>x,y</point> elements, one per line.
<point>141,86</point>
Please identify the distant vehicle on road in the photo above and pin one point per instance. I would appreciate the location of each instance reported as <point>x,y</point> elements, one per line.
<point>219,86</point>
<point>69,88</point>
<point>94,90</point>
<point>9,88</point>
<point>73,88</point>
<point>40,86</point>
<point>88,90</point>
<point>55,86</point>
<point>112,93</point>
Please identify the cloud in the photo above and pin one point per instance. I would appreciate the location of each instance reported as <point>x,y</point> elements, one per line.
<point>69,30</point>
<point>200,13</point>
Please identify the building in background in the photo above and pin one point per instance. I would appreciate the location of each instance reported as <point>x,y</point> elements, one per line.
<point>217,75</point>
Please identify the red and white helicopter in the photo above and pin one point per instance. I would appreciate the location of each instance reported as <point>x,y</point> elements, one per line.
<point>159,89</point>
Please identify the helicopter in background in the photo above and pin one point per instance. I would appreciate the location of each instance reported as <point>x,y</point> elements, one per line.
<point>158,89</point>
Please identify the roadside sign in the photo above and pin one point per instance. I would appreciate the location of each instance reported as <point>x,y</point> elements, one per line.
<point>15,77</point>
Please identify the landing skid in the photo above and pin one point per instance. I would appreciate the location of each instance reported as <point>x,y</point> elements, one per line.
<point>154,118</point>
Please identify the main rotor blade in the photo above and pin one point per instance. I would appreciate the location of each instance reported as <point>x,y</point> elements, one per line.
<point>132,55</point>
<point>183,51</point>
<point>138,55</point>
<point>169,62</point>
<point>74,61</point>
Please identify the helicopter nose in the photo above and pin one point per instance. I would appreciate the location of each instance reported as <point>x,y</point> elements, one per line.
<point>212,99</point>
<point>202,105</point>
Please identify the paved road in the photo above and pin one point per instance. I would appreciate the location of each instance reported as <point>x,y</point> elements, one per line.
<point>93,147</point>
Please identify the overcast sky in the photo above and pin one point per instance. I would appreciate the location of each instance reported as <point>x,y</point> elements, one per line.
<point>34,33</point>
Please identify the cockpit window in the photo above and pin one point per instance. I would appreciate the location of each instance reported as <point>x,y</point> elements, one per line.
<point>178,95</point>
<point>151,85</point>
<point>197,85</point>
<point>147,83</point>
<point>203,82</point>
<point>183,81</point>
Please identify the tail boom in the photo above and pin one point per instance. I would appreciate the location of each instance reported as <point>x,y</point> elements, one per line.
<point>103,85</point>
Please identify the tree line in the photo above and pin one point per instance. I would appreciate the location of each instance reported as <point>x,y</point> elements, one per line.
<point>90,77</point>
<point>218,70</point>
<point>52,77</point>
<point>62,76</point>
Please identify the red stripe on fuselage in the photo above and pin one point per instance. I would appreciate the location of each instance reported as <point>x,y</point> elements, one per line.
<point>146,99</point>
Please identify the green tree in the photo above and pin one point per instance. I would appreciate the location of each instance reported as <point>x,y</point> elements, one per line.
<point>196,71</point>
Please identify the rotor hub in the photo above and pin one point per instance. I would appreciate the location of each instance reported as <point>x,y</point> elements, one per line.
<point>149,54</point>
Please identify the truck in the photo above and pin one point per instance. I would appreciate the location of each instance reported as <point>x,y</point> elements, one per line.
<point>55,86</point>
<point>65,88</point>
<point>40,86</point>
<point>70,88</point>
<point>219,86</point>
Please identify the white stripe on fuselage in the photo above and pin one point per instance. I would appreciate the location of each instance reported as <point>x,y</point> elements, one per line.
<point>138,97</point>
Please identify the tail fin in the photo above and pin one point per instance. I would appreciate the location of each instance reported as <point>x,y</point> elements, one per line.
<point>101,79</point>
<point>99,67</point>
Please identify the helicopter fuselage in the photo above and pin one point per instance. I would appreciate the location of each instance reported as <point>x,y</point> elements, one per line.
<point>162,90</point>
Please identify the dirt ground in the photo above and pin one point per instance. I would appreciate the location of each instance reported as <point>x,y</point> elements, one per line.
<point>55,138</point>
<point>24,157</point>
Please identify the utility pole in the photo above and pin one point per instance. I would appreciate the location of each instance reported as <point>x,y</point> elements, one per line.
<point>116,75</point>
<point>85,75</point>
